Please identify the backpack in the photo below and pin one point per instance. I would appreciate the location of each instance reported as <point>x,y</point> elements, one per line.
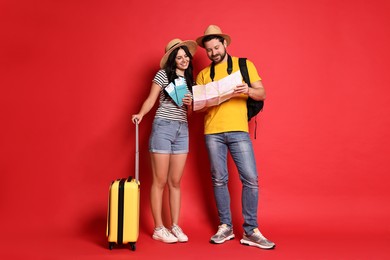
<point>253,106</point>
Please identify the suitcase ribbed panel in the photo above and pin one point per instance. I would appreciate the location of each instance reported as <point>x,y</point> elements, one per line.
<point>128,215</point>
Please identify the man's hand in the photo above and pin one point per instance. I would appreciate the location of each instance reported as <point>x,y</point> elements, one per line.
<point>241,89</point>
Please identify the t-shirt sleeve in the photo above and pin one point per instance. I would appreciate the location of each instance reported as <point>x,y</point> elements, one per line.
<point>161,78</point>
<point>199,79</point>
<point>253,74</point>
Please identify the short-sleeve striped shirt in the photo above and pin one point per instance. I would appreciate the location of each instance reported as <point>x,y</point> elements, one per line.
<point>167,108</point>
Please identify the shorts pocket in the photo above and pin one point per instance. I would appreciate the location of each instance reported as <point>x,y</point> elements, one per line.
<point>162,122</point>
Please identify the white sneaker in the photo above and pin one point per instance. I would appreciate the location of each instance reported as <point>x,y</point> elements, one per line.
<point>162,234</point>
<point>178,232</point>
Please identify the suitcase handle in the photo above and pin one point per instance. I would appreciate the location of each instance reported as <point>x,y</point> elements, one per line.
<point>136,152</point>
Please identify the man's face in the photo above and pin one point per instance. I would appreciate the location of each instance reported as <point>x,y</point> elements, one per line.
<point>216,51</point>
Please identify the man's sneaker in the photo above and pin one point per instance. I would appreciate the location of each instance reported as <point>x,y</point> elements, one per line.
<point>224,233</point>
<point>163,234</point>
<point>258,240</point>
<point>181,237</point>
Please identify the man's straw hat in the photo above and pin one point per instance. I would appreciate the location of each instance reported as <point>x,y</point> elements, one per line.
<point>213,30</point>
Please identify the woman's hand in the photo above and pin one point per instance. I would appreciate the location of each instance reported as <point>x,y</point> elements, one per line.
<point>187,100</point>
<point>136,117</point>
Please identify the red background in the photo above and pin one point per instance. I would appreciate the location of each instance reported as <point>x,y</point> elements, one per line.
<point>73,72</point>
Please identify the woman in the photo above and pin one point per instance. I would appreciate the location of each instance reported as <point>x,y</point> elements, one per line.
<point>168,143</point>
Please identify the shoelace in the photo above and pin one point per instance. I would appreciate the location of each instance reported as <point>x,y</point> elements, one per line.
<point>259,235</point>
<point>177,229</point>
<point>165,232</point>
<point>221,229</point>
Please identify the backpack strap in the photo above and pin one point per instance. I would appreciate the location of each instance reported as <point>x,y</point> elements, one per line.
<point>229,67</point>
<point>244,70</point>
<point>245,75</point>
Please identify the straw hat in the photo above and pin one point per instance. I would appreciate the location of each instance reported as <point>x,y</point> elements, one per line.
<point>213,30</point>
<point>176,43</point>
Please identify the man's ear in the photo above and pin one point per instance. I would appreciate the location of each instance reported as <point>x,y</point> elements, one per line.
<point>224,43</point>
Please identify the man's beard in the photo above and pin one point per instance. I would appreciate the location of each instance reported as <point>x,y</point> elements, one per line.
<point>222,57</point>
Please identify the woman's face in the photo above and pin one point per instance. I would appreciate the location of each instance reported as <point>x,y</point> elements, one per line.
<point>182,60</point>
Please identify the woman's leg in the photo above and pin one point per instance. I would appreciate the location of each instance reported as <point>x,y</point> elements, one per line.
<point>176,167</point>
<point>160,168</point>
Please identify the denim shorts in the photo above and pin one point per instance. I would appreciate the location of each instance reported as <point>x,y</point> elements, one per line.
<point>169,136</point>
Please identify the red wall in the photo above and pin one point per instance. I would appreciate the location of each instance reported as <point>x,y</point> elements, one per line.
<point>73,72</point>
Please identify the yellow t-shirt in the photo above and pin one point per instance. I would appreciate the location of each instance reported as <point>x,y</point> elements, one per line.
<point>230,115</point>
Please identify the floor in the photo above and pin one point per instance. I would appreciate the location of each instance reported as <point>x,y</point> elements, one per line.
<point>293,242</point>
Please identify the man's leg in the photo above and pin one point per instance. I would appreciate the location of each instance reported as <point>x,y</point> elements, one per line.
<point>217,151</point>
<point>240,147</point>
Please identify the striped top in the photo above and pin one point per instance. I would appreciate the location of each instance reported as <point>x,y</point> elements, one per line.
<point>167,108</point>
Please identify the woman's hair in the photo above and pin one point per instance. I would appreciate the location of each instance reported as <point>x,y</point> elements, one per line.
<point>170,67</point>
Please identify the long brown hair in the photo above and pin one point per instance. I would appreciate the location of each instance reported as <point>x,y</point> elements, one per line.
<point>170,67</point>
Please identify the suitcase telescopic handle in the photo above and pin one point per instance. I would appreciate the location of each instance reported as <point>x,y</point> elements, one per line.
<point>136,152</point>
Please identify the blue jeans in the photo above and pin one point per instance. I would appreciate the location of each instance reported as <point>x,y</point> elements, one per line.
<point>241,150</point>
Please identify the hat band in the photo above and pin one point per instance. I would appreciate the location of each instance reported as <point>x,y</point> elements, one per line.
<point>173,46</point>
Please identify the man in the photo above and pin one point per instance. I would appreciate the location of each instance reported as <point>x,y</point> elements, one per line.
<point>226,129</point>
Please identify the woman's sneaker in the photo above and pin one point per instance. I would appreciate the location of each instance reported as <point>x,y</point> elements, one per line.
<point>178,232</point>
<point>162,234</point>
<point>257,239</point>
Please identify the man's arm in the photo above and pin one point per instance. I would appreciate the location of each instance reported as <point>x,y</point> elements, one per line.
<point>256,92</point>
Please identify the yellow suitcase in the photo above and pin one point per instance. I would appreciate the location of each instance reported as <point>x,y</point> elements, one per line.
<point>123,209</point>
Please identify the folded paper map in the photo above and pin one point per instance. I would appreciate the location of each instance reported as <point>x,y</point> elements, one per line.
<point>216,92</point>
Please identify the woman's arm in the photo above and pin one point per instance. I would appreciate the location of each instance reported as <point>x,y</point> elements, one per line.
<point>148,103</point>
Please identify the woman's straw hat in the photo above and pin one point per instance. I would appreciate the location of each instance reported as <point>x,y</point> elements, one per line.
<point>176,43</point>
<point>213,30</point>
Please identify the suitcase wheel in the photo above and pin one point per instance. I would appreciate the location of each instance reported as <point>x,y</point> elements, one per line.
<point>132,246</point>
<point>110,245</point>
